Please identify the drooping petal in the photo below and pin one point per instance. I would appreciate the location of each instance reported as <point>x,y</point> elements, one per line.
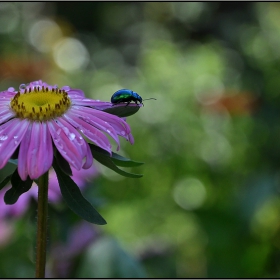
<point>89,131</point>
<point>89,159</point>
<point>131,138</point>
<point>40,151</point>
<point>87,115</point>
<point>119,125</point>
<point>67,148</point>
<point>11,134</point>
<point>73,135</point>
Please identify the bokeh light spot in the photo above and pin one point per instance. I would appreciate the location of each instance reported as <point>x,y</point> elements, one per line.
<point>43,34</point>
<point>70,54</point>
<point>189,193</point>
<point>9,17</point>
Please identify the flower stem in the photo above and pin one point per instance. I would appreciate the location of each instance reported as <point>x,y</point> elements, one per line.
<point>41,243</point>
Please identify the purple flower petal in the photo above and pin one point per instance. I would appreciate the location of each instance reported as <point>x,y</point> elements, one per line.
<point>74,93</point>
<point>11,134</point>
<point>5,115</point>
<point>67,148</point>
<point>119,124</point>
<point>131,138</point>
<point>74,136</point>
<point>89,159</point>
<point>6,96</point>
<point>40,151</point>
<point>23,154</point>
<point>89,131</point>
<point>88,116</point>
<point>87,102</point>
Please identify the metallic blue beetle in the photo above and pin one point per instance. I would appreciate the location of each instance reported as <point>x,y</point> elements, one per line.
<point>126,95</point>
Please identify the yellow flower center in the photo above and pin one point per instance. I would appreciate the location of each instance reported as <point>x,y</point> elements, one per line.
<point>40,103</point>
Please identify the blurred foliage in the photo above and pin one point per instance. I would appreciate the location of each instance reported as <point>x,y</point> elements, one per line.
<point>208,204</point>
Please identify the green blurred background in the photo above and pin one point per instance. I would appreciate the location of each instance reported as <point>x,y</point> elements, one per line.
<point>208,204</point>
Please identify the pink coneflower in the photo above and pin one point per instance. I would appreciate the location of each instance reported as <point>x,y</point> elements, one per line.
<point>39,119</point>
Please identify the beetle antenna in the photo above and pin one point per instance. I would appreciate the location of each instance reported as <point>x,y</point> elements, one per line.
<point>149,98</point>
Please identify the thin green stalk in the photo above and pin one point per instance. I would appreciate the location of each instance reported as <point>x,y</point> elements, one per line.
<point>41,242</point>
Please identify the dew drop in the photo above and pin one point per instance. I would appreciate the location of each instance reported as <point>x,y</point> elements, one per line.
<point>3,137</point>
<point>58,131</point>
<point>15,136</point>
<point>11,89</point>
<point>71,136</point>
<point>22,87</point>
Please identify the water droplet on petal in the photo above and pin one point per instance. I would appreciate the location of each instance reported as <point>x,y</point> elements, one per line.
<point>3,137</point>
<point>15,136</point>
<point>22,87</point>
<point>58,131</point>
<point>11,89</point>
<point>71,136</point>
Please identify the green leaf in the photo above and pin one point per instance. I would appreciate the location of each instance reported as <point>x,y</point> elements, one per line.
<point>74,198</point>
<point>104,158</point>
<point>63,164</point>
<point>122,110</point>
<point>14,161</point>
<point>124,162</point>
<point>5,181</point>
<point>18,188</point>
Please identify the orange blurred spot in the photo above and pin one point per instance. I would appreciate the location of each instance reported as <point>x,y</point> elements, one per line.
<point>234,102</point>
<point>21,69</point>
